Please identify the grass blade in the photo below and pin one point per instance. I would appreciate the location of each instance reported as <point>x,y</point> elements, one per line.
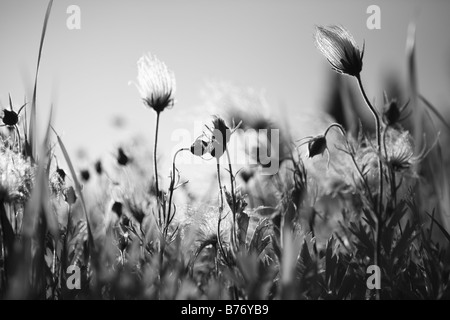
<point>77,186</point>
<point>32,127</point>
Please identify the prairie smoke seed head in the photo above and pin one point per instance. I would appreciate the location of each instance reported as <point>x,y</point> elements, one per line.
<point>340,49</point>
<point>155,83</point>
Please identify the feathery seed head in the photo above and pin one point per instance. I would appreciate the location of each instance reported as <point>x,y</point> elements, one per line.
<point>155,83</point>
<point>340,49</point>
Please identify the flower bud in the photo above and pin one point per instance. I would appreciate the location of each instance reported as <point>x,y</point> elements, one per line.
<point>317,146</point>
<point>199,147</point>
<point>10,118</point>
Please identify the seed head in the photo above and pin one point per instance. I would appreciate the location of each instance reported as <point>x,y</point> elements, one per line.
<point>155,82</point>
<point>340,49</point>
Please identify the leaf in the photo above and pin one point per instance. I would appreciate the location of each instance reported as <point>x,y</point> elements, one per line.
<point>32,127</point>
<point>369,219</point>
<point>259,241</point>
<point>330,261</point>
<point>347,284</point>
<point>242,220</point>
<point>444,232</point>
<point>361,234</point>
<point>305,260</point>
<point>398,214</point>
<point>405,241</point>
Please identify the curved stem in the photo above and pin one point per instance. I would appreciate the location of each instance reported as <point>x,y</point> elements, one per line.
<point>233,194</point>
<point>155,156</point>
<point>171,188</point>
<point>337,125</point>
<point>380,166</point>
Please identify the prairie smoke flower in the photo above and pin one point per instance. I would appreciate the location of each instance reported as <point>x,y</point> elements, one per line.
<point>318,144</point>
<point>122,158</point>
<point>392,111</point>
<point>220,138</point>
<point>199,147</point>
<point>10,118</point>
<point>155,82</point>
<point>400,152</point>
<point>340,49</point>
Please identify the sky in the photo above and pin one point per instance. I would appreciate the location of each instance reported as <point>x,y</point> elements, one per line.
<point>263,44</point>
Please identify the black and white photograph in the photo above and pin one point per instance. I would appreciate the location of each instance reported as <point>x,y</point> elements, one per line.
<point>241,152</point>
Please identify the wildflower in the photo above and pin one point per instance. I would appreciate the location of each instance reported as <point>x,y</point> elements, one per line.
<point>392,111</point>
<point>85,175</point>
<point>199,147</point>
<point>122,158</point>
<point>340,49</point>
<point>98,167</point>
<point>10,117</point>
<point>318,144</point>
<point>246,174</point>
<point>220,137</point>
<point>117,208</point>
<point>155,82</point>
<point>61,174</point>
<point>57,182</point>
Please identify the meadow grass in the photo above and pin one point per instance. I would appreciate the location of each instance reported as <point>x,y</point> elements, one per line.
<point>309,231</point>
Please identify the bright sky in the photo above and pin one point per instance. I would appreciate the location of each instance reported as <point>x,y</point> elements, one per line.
<point>263,44</point>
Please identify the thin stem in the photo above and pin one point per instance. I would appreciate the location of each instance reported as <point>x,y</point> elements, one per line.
<point>155,156</point>
<point>230,169</point>
<point>171,188</point>
<point>220,212</point>
<point>380,166</point>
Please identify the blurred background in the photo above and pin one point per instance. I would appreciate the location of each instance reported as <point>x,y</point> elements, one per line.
<point>265,45</point>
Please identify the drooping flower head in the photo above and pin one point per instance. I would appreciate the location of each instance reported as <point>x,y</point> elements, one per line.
<point>155,82</point>
<point>220,137</point>
<point>340,49</point>
<point>392,111</point>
